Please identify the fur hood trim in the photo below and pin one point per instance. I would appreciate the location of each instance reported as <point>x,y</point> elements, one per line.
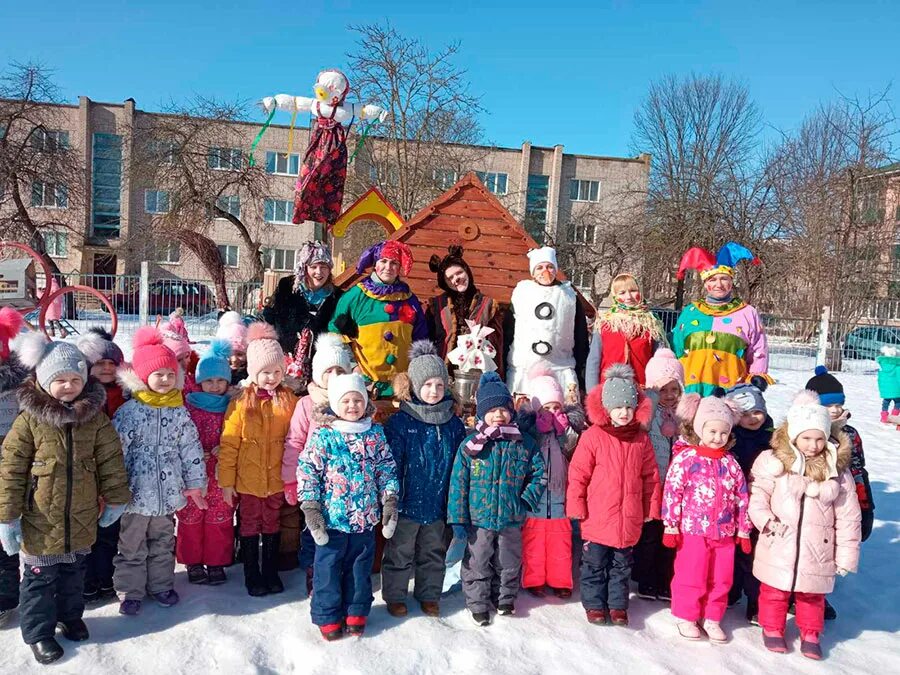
<point>131,383</point>
<point>784,453</point>
<point>598,415</point>
<point>324,415</point>
<point>12,373</point>
<point>48,410</point>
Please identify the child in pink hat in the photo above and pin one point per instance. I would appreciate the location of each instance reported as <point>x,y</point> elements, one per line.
<point>547,533</point>
<point>653,562</point>
<point>704,511</point>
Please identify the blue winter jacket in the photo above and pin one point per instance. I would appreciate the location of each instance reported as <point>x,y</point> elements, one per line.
<point>496,488</point>
<point>424,456</point>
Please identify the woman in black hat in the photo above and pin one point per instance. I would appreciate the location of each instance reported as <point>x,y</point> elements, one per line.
<point>460,301</point>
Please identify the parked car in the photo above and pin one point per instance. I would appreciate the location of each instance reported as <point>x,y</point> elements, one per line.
<point>865,342</point>
<point>166,295</point>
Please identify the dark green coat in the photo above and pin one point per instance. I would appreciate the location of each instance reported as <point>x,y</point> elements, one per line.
<point>56,461</point>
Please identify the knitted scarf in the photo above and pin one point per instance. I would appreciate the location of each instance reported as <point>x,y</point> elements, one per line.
<point>551,427</point>
<point>711,453</point>
<point>632,322</point>
<point>348,427</point>
<point>485,432</point>
<point>428,413</point>
<point>318,296</point>
<point>214,403</point>
<point>719,307</point>
<point>171,399</point>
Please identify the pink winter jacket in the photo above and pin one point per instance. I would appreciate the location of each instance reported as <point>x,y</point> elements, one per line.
<point>822,518</point>
<point>303,425</point>
<point>705,496</point>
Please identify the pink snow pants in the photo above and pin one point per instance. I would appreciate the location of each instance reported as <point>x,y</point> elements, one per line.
<point>206,537</point>
<point>809,610</point>
<point>704,569</point>
<point>547,553</point>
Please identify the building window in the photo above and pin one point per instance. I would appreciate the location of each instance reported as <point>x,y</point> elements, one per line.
<point>536,206</point>
<point>278,259</point>
<point>584,190</point>
<point>444,178</point>
<point>494,182</point>
<point>897,213</point>
<point>56,244</point>
<point>279,211</point>
<point>156,201</point>
<point>50,195</point>
<point>49,141</point>
<point>583,278</point>
<point>163,152</point>
<point>583,233</point>
<point>229,254</point>
<point>169,253</point>
<point>279,162</point>
<point>384,175</point>
<point>106,185</point>
<point>226,159</point>
<point>230,204</point>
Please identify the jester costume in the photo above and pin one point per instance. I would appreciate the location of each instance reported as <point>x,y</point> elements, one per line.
<point>381,320</point>
<point>627,335</point>
<point>720,343</point>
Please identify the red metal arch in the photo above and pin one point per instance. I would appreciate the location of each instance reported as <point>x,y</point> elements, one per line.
<point>59,292</point>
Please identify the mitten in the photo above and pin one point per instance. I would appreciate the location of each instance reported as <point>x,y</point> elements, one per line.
<point>315,522</point>
<point>11,536</point>
<point>775,527</point>
<point>862,496</point>
<point>841,571</point>
<point>672,539</point>
<point>111,514</point>
<point>290,493</point>
<point>745,544</point>
<point>389,516</point>
<point>196,494</point>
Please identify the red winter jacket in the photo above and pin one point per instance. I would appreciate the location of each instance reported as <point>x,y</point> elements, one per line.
<point>613,478</point>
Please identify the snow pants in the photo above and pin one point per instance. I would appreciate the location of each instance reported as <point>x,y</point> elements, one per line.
<point>605,574</point>
<point>809,610</point>
<point>206,537</point>
<point>547,553</point>
<point>99,565</point>
<point>260,515</point>
<point>653,562</point>
<point>342,577</point>
<point>491,567</point>
<point>418,546</point>
<point>146,559</point>
<point>704,569</point>
<point>9,580</point>
<point>50,594</point>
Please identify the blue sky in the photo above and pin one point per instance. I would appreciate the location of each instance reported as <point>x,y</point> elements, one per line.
<point>548,72</point>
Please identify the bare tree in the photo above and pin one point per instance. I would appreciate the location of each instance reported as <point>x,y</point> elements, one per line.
<point>428,140</point>
<point>42,180</point>
<point>831,198</point>
<point>702,132</point>
<point>194,153</point>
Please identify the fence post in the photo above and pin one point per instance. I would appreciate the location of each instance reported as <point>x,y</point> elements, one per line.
<point>144,294</point>
<point>822,348</point>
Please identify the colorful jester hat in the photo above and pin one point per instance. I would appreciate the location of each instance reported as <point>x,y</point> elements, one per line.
<point>390,249</point>
<point>723,263</point>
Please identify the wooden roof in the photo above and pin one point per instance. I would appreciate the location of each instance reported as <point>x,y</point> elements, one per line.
<point>494,243</point>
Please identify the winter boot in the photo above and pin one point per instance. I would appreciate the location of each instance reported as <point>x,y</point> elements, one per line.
<point>107,589</point>
<point>775,642</point>
<point>332,631</point>
<point>130,607</point>
<point>506,609</point>
<point>714,631</point>
<point>481,618</point>
<point>689,630</point>
<point>215,575</point>
<point>356,625</point>
<point>91,592</point>
<point>271,580</point>
<point>597,616</point>
<point>562,593</point>
<point>618,617</point>
<point>250,557</point>
<point>197,574</point>
<point>5,616</point>
<point>830,612</point>
<point>397,609</point>
<point>166,598</point>
<point>74,630</point>
<point>536,591</point>
<point>810,647</point>
<point>430,608</point>
<point>46,651</point>
<point>884,416</point>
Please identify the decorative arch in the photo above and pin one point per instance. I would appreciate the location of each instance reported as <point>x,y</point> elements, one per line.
<point>372,205</point>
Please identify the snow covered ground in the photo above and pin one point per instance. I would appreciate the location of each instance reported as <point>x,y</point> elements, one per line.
<point>222,629</point>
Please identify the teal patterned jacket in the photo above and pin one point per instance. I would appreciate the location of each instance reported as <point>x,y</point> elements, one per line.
<point>497,487</point>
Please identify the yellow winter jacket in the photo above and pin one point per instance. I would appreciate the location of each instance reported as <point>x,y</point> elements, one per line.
<point>252,445</point>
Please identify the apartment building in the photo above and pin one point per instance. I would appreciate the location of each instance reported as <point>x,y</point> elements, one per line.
<point>113,230</point>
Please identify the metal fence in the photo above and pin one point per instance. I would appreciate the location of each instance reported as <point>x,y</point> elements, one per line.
<point>139,300</point>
